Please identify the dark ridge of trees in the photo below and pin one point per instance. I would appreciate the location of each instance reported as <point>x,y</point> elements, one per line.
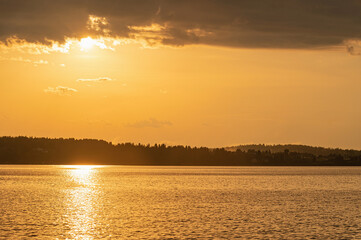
<point>296,148</point>
<point>27,150</point>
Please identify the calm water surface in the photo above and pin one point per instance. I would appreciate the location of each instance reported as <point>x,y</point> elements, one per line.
<point>128,202</point>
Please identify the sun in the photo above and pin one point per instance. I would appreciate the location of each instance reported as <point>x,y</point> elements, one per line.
<point>86,43</point>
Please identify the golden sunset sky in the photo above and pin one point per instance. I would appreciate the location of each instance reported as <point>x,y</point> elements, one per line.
<point>200,73</point>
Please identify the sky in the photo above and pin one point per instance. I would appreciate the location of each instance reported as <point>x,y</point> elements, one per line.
<point>202,73</point>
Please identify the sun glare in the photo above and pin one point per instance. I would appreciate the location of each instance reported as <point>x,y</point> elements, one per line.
<point>82,167</point>
<point>87,43</point>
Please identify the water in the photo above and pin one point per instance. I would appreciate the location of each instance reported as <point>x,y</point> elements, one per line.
<point>128,202</point>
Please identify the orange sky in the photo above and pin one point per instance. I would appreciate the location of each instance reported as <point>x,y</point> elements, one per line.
<point>131,90</point>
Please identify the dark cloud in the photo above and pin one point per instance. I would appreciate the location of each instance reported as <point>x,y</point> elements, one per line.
<point>232,23</point>
<point>354,48</point>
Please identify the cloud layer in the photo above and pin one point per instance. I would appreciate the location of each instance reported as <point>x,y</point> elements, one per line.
<point>231,23</point>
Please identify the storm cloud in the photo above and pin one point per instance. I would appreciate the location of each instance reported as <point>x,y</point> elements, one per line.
<point>230,23</point>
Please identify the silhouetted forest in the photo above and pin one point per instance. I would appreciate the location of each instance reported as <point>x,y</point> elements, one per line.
<point>27,150</point>
<point>296,148</point>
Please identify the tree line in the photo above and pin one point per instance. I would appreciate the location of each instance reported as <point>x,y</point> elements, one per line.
<point>28,150</point>
<point>296,148</point>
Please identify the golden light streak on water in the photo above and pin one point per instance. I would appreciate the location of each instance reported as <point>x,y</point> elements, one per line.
<point>81,201</point>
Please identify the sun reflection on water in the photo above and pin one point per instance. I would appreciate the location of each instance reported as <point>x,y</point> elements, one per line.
<point>82,199</point>
<point>82,167</point>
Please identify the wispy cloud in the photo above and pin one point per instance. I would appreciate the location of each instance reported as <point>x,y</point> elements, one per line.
<point>95,80</point>
<point>150,123</point>
<point>60,90</point>
<point>35,62</point>
<point>26,60</point>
